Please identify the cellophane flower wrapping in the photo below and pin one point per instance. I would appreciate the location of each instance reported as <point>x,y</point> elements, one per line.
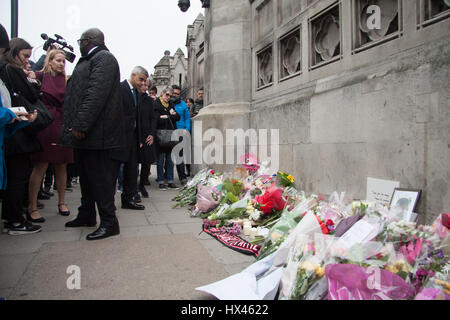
<point>188,194</point>
<point>305,268</point>
<point>288,221</point>
<point>436,288</point>
<point>352,282</point>
<point>207,198</point>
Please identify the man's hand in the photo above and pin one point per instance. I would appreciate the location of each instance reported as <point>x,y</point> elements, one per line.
<point>149,140</point>
<point>78,135</point>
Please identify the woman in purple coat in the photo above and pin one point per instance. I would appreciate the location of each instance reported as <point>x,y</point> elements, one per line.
<point>53,88</point>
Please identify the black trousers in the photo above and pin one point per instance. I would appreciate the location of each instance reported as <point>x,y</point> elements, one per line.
<point>18,174</point>
<point>130,173</point>
<point>97,174</point>
<point>145,173</point>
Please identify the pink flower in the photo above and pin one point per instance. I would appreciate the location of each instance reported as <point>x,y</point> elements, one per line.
<point>250,162</point>
<point>411,252</point>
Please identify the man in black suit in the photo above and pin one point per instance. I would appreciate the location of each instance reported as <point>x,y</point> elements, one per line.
<point>93,126</point>
<point>146,132</point>
<point>132,99</point>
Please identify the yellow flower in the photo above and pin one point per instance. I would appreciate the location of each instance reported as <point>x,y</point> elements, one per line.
<point>291,178</point>
<point>309,266</point>
<point>402,265</point>
<point>320,272</point>
<point>399,265</point>
<point>442,283</point>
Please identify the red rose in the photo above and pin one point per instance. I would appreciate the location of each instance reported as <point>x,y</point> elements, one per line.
<point>323,226</point>
<point>272,199</point>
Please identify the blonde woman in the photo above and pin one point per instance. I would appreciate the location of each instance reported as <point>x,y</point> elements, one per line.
<point>53,88</point>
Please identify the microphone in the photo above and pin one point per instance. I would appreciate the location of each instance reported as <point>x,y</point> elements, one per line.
<point>44,36</point>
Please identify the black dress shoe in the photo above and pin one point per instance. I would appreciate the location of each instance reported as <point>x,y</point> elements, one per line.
<point>77,223</point>
<point>137,198</point>
<point>102,233</point>
<point>132,205</point>
<point>143,191</point>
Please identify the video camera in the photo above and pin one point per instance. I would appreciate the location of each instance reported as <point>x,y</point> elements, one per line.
<point>62,42</point>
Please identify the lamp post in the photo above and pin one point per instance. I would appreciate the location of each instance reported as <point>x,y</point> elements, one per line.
<point>14,18</point>
<point>185,4</point>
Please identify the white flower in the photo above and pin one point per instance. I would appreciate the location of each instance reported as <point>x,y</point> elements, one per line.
<point>275,236</point>
<point>446,269</point>
<point>255,215</point>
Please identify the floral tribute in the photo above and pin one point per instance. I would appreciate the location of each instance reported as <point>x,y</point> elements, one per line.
<point>262,213</point>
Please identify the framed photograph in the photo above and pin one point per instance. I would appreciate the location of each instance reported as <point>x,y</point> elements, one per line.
<point>405,200</point>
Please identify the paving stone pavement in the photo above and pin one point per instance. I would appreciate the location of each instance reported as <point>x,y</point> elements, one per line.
<point>160,254</point>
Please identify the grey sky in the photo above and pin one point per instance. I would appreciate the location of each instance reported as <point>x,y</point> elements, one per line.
<point>137,31</point>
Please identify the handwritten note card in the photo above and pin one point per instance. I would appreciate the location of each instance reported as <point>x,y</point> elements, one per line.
<point>380,191</point>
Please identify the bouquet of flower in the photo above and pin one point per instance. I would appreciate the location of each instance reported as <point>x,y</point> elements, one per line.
<point>285,179</point>
<point>228,212</point>
<point>432,263</point>
<point>207,198</point>
<point>307,260</point>
<point>188,195</point>
<point>271,202</point>
<point>352,282</point>
<point>233,186</point>
<point>250,162</point>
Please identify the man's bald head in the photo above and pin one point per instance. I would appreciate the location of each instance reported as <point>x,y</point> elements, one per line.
<point>91,38</point>
<point>96,35</point>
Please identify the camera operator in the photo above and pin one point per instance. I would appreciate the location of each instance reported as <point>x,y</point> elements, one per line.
<point>58,43</point>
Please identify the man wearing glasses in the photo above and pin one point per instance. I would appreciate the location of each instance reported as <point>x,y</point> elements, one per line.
<point>93,126</point>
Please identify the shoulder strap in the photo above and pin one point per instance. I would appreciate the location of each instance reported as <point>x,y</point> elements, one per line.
<point>9,83</point>
<point>174,128</point>
<point>14,91</point>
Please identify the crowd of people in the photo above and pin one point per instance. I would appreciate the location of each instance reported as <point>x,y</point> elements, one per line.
<point>102,130</point>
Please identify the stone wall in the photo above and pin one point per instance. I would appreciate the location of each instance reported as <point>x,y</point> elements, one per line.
<point>195,42</point>
<point>373,105</point>
<point>389,121</point>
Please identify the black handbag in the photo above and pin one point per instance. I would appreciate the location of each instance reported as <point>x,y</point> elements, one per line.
<point>164,137</point>
<point>44,116</point>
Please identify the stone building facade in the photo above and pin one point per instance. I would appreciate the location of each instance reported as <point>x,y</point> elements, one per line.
<point>171,70</point>
<point>352,96</point>
<point>195,43</point>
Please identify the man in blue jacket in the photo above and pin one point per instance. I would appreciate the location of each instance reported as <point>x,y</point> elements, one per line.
<point>185,123</point>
